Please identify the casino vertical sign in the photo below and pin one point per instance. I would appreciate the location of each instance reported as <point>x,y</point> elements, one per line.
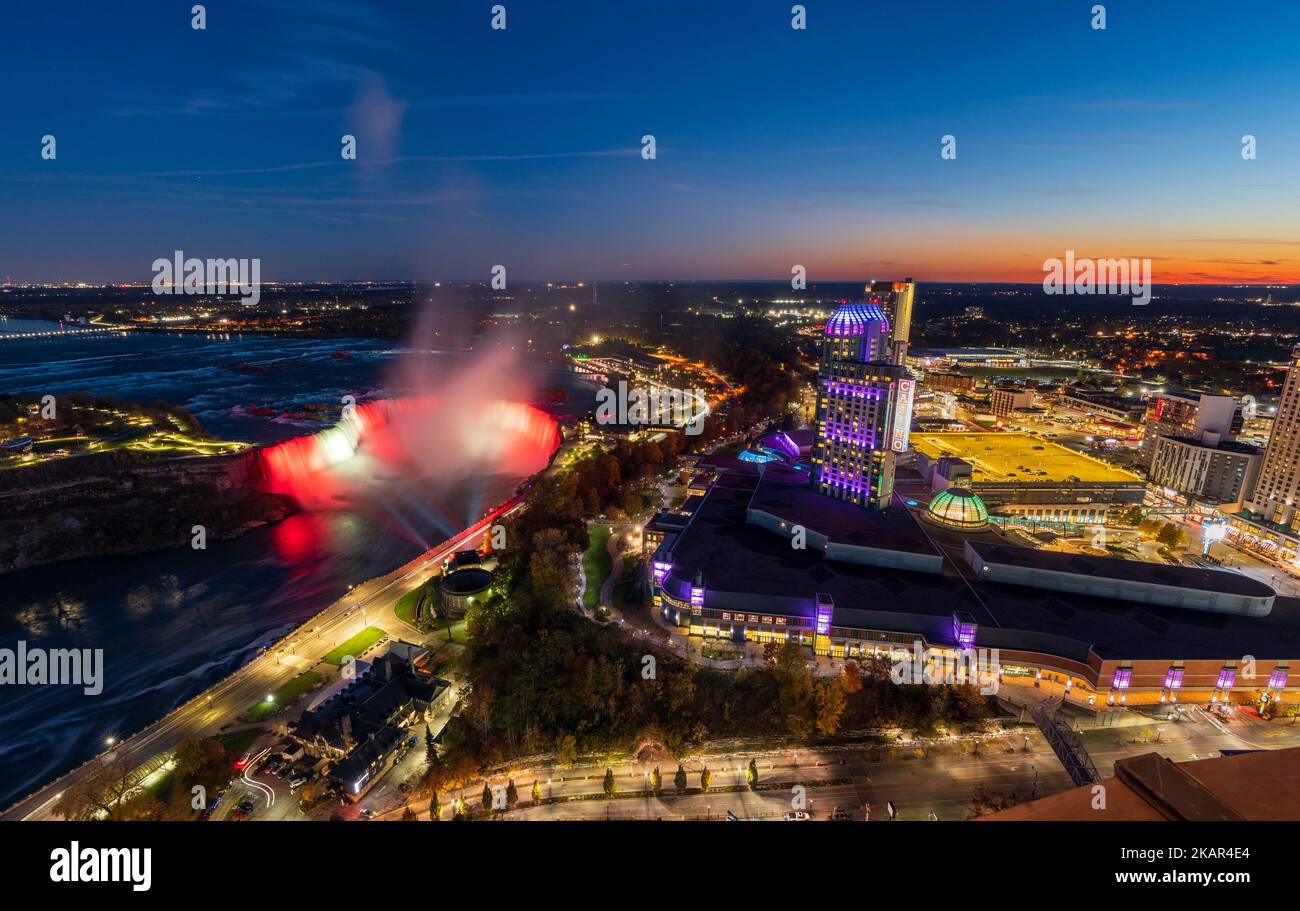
<point>902,415</point>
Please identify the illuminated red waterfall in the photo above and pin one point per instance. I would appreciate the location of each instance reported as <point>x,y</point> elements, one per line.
<point>494,434</point>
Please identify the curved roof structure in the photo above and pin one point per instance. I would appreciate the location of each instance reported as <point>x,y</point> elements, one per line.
<point>958,507</point>
<point>852,319</point>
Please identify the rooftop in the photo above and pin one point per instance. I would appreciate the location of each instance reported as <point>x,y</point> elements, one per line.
<point>1215,580</point>
<point>851,319</point>
<point>1002,457</point>
<point>1253,786</point>
<point>747,567</point>
<point>1222,446</point>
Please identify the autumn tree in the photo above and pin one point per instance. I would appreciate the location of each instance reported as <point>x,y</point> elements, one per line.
<point>794,688</point>
<point>104,792</point>
<point>830,705</point>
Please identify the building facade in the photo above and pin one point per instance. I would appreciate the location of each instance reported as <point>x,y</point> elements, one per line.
<point>1222,474</point>
<point>896,300</point>
<point>1199,416</point>
<point>1003,400</point>
<point>864,408</point>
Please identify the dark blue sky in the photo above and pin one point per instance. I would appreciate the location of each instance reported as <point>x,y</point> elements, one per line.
<point>775,147</point>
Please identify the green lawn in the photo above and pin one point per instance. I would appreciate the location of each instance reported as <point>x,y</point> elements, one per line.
<point>356,645</point>
<point>405,609</point>
<point>440,631</point>
<point>285,695</point>
<point>596,564</point>
<point>238,742</point>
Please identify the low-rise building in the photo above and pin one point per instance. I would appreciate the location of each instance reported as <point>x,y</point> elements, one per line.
<point>360,727</point>
<point>1101,404</point>
<point>1003,400</point>
<point>1222,474</point>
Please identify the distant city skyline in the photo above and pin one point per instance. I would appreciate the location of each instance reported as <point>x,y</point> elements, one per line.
<point>775,147</point>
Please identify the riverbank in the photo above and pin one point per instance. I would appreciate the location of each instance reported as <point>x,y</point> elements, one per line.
<point>120,504</point>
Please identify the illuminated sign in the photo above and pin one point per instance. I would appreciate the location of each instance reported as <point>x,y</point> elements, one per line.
<point>902,415</point>
<point>1227,677</point>
<point>1277,679</point>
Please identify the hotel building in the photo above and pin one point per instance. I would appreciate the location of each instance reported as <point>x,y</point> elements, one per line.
<point>1208,419</point>
<point>1269,521</point>
<point>864,407</point>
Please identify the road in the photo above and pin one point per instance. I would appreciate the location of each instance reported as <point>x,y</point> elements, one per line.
<point>919,779</point>
<point>205,714</point>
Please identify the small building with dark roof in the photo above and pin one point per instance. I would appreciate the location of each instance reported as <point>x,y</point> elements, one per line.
<point>359,728</point>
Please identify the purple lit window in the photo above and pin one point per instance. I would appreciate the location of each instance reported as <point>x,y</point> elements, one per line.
<point>1174,679</point>
<point>963,629</point>
<point>1227,677</point>
<point>661,570</point>
<point>1277,679</point>
<point>697,596</point>
<point>1123,676</point>
<point>825,607</point>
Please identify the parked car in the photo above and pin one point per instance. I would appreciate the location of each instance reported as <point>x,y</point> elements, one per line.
<point>797,816</point>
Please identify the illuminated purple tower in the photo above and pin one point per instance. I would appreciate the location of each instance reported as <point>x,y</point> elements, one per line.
<point>864,408</point>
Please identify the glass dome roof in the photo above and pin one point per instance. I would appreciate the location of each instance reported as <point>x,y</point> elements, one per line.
<point>958,508</point>
<point>852,319</point>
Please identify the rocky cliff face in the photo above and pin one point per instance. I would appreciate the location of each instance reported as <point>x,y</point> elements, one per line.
<point>120,503</point>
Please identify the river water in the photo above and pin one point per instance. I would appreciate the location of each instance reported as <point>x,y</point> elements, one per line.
<point>174,622</point>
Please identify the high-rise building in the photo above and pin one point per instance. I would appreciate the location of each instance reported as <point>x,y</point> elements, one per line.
<point>896,302</point>
<point>1206,418</point>
<point>864,407</point>
<point>1277,492</point>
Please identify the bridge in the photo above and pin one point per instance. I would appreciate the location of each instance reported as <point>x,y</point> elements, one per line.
<point>1065,742</point>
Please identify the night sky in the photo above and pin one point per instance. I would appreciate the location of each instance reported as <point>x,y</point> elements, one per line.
<point>775,147</point>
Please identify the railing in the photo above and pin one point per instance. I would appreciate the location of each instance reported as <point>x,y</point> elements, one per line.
<point>1065,743</point>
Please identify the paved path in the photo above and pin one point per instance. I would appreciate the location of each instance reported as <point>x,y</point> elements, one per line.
<point>206,713</point>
